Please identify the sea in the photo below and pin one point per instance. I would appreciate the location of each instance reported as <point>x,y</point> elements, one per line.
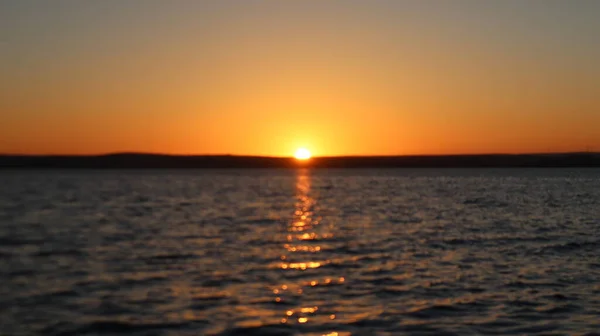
<point>300,252</point>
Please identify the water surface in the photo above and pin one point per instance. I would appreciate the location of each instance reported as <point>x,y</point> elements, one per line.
<point>284,252</point>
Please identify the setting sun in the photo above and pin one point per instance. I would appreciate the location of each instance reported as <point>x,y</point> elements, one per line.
<point>302,154</point>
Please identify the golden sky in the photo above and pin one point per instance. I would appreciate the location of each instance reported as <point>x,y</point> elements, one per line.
<point>266,77</point>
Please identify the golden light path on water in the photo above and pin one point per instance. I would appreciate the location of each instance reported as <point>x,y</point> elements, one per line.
<point>301,251</point>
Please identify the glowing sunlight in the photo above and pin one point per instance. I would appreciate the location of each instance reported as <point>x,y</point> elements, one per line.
<point>302,154</point>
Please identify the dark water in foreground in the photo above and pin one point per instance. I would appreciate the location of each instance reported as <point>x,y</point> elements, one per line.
<point>268,252</point>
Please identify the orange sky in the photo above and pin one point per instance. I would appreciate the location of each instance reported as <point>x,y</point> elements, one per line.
<point>264,78</point>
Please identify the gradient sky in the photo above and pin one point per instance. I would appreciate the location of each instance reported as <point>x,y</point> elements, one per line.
<point>266,77</point>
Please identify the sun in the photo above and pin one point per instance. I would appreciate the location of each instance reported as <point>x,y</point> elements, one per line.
<point>302,154</point>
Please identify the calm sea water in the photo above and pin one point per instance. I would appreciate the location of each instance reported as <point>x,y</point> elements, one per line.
<point>283,252</point>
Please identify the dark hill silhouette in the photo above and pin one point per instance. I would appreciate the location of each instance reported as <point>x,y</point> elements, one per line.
<point>157,161</point>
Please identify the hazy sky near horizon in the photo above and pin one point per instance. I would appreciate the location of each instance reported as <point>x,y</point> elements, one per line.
<point>265,77</point>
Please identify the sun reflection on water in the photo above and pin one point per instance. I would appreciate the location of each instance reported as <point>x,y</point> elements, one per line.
<point>303,249</point>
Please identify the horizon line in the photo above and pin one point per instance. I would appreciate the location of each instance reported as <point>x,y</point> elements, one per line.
<point>291,156</point>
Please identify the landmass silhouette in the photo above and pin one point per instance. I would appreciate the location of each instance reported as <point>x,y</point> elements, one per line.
<point>161,161</point>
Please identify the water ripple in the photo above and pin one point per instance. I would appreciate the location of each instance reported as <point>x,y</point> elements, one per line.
<point>453,252</point>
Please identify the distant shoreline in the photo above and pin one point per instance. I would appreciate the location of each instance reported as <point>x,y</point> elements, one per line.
<point>159,161</point>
